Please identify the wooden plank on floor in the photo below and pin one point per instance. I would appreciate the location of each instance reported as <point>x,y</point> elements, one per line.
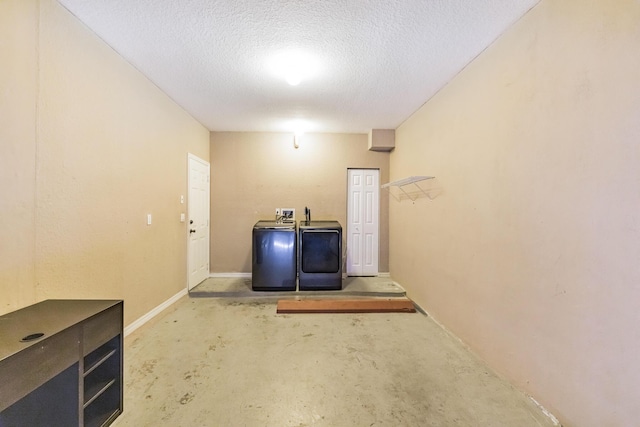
<point>395,305</point>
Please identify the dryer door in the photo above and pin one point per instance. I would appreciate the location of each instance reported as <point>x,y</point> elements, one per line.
<point>320,251</point>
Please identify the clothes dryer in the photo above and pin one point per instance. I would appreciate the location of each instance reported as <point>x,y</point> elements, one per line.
<point>319,255</point>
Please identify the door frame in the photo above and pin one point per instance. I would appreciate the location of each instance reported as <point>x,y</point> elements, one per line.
<point>190,158</point>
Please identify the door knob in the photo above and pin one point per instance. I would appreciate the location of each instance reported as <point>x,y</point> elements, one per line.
<point>192,231</point>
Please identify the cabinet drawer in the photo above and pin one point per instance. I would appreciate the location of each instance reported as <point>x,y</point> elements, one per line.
<point>101,328</point>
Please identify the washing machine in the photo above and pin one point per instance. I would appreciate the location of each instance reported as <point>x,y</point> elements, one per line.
<point>274,263</point>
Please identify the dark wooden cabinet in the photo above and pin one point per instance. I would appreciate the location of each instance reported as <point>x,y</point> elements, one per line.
<point>61,364</point>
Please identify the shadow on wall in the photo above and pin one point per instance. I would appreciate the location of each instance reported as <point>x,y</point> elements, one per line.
<point>426,189</point>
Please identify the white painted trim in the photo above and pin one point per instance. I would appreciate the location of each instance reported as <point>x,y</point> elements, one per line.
<point>384,275</point>
<point>153,313</point>
<point>544,410</point>
<point>238,275</point>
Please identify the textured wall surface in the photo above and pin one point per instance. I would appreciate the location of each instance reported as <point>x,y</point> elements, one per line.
<point>529,249</point>
<point>18,92</point>
<point>109,149</point>
<point>254,173</point>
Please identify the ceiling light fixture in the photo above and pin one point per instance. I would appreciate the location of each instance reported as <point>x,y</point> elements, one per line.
<point>298,127</point>
<point>297,136</point>
<point>293,66</point>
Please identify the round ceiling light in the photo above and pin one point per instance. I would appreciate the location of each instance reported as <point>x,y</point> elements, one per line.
<point>293,66</point>
<point>298,126</point>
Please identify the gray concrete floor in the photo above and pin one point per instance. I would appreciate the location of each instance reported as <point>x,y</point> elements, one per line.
<point>239,287</point>
<point>235,362</point>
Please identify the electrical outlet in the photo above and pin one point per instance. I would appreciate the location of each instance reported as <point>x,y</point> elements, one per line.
<point>288,214</point>
<point>277,211</point>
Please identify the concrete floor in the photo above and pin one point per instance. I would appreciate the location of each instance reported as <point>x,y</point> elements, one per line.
<point>235,362</point>
<point>240,287</point>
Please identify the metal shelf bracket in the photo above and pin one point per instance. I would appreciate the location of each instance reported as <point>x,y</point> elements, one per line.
<point>404,182</point>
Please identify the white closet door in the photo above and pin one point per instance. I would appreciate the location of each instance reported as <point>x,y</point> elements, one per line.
<point>363,228</point>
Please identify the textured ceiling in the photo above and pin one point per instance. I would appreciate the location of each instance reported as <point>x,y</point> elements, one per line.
<point>376,61</point>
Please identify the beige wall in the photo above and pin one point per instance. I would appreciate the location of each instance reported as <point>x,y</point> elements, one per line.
<point>18,76</point>
<point>530,250</point>
<point>96,147</point>
<point>254,173</point>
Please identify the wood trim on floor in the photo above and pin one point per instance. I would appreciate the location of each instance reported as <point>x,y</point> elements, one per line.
<point>396,305</point>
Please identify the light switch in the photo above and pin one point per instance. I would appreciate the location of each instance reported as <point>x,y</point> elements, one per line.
<point>182,201</point>
<point>182,217</point>
<point>148,219</point>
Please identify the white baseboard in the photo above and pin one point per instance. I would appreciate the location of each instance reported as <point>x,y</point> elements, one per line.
<point>248,275</point>
<point>153,313</point>
<point>385,275</point>
<point>239,275</point>
<point>548,414</point>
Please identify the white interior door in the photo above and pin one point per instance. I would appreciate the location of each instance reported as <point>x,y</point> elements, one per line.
<point>363,228</point>
<point>198,248</point>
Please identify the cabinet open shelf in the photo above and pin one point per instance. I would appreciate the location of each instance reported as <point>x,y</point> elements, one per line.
<point>400,183</point>
<point>96,391</point>
<point>104,409</point>
<point>90,365</point>
<point>102,382</point>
